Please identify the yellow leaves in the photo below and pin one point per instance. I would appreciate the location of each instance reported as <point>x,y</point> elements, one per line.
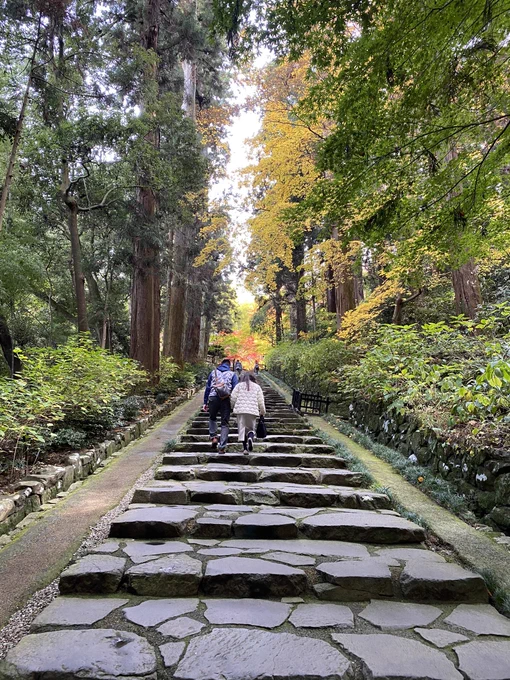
<point>358,322</point>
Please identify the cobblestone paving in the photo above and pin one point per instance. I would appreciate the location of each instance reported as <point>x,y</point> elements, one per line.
<point>273,565</point>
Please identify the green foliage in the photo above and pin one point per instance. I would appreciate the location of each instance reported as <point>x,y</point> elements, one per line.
<point>76,385</point>
<point>309,367</point>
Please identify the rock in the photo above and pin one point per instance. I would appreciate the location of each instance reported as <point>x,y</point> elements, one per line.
<point>86,654</point>
<point>439,637</point>
<point>358,580</point>
<point>322,616</point>
<point>171,652</point>
<point>262,613</point>
<point>159,522</point>
<point>173,495</point>
<point>248,654</point>
<point>139,551</point>
<point>7,507</point>
<point>153,612</point>
<point>106,547</point>
<point>260,497</point>
<point>481,619</point>
<point>387,657</point>
<point>246,577</point>
<point>447,582</point>
<point>308,497</point>
<point>501,516</point>
<point>362,526</point>
<point>485,660</point>
<point>213,528</point>
<point>171,576</point>
<point>219,552</point>
<point>93,574</point>
<point>265,526</point>
<point>304,547</point>
<point>399,615</point>
<point>290,558</point>
<point>76,611</point>
<point>502,489</point>
<point>181,627</point>
<point>406,554</point>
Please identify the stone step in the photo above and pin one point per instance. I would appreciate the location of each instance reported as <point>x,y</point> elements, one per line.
<point>271,438</point>
<point>273,567</point>
<point>259,446</point>
<point>201,428</point>
<point>266,493</point>
<point>306,460</point>
<point>364,526</point>
<point>251,473</point>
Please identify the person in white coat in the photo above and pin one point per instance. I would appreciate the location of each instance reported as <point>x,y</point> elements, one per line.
<point>247,400</point>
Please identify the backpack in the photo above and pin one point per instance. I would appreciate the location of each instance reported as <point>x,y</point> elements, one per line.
<point>220,386</point>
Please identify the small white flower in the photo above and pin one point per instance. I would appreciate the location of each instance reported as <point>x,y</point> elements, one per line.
<point>481,477</point>
<point>412,458</point>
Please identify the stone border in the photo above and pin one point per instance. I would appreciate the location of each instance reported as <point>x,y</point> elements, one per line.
<point>39,489</point>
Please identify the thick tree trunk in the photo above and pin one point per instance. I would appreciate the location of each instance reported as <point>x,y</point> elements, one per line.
<point>145,306</point>
<point>79,278</point>
<point>6,344</point>
<point>177,300</point>
<point>345,294</point>
<point>466,285</point>
<point>298,256</point>
<point>277,303</point>
<point>169,277</point>
<point>359,293</point>
<point>331,292</point>
<point>194,315</point>
<point>145,293</point>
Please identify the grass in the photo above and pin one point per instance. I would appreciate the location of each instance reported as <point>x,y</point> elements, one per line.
<point>500,596</point>
<point>440,490</point>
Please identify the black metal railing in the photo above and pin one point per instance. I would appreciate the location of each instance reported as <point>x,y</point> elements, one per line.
<point>313,404</point>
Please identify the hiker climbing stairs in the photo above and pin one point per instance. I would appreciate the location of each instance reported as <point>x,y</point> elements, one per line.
<point>273,564</point>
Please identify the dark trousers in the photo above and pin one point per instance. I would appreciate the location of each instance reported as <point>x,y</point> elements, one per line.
<point>223,408</point>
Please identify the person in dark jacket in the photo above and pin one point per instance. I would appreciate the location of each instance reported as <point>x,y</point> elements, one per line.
<point>238,367</point>
<point>220,384</point>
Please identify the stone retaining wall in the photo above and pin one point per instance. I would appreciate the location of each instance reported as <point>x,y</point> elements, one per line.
<point>38,488</point>
<point>483,474</point>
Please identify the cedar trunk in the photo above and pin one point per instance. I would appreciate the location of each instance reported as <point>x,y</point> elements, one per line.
<point>330,293</point>
<point>177,300</point>
<point>466,285</point>
<point>79,278</point>
<point>345,293</point>
<point>194,316</point>
<point>145,292</point>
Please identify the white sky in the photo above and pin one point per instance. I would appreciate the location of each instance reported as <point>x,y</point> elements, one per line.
<point>243,126</point>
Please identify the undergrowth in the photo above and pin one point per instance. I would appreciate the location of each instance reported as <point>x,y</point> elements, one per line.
<point>439,489</point>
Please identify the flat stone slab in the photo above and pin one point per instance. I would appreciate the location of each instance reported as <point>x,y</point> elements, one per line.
<point>399,615</point>
<point>485,660</point>
<point>322,616</point>
<point>248,654</point>
<point>249,612</point>
<point>428,581</point>
<point>154,612</point>
<point>86,654</point>
<point>157,522</point>
<point>140,551</point>
<point>481,619</point>
<point>388,657</point>
<point>265,526</point>
<point>304,547</point>
<point>181,628</point>
<point>247,577</point>
<point>290,558</point>
<point>357,579</point>
<point>362,526</point>
<point>440,637</point>
<point>171,652</point>
<point>93,574</point>
<point>406,554</point>
<point>170,576</point>
<point>76,611</point>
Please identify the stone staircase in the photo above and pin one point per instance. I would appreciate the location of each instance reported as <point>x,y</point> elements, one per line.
<point>234,566</point>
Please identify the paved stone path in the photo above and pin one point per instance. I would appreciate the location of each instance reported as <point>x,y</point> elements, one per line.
<point>275,565</point>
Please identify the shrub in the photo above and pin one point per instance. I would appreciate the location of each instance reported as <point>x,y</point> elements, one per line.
<point>74,385</point>
<point>69,438</point>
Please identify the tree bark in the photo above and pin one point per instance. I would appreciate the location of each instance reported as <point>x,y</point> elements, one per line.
<point>466,286</point>
<point>79,278</point>
<point>359,293</point>
<point>194,315</point>
<point>145,293</point>
<point>331,292</point>
<point>277,303</point>
<point>169,277</point>
<point>6,343</point>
